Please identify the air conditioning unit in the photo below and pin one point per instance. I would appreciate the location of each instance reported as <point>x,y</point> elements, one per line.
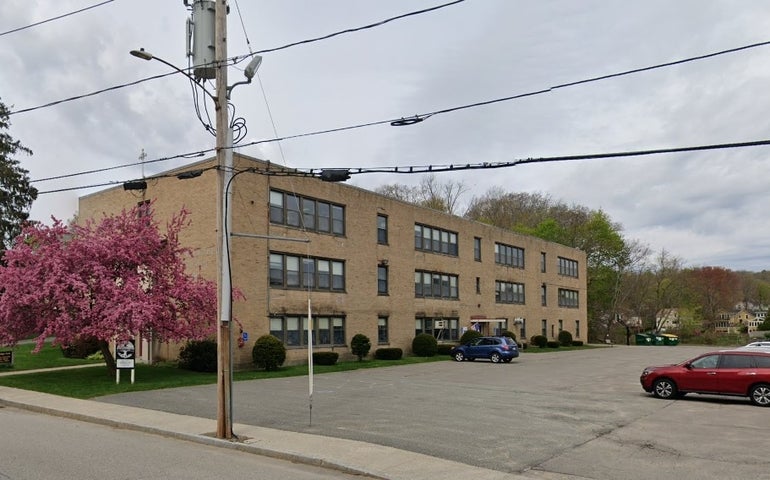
<point>440,324</point>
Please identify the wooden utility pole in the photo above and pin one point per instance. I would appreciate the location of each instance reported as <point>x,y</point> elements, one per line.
<point>224,378</point>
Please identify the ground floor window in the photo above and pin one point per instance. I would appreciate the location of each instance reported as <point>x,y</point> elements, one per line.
<point>293,330</point>
<point>440,327</point>
<point>382,330</point>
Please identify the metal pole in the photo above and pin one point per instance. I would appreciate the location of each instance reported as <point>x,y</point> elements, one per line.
<point>224,418</point>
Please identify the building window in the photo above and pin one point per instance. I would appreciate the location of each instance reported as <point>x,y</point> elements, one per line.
<point>544,327</point>
<point>568,298</point>
<point>382,280</point>
<point>382,330</point>
<point>289,271</point>
<point>509,256</point>
<point>292,330</point>
<point>477,249</point>
<point>561,325</point>
<point>382,229</point>
<point>523,330</point>
<point>441,328</point>
<point>509,292</point>
<point>478,285</point>
<point>543,295</point>
<point>430,239</point>
<point>568,268</point>
<point>308,213</point>
<point>553,334</point>
<point>577,328</point>
<point>542,262</point>
<point>435,285</point>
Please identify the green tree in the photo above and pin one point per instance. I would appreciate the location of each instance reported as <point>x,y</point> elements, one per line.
<point>16,194</point>
<point>360,346</point>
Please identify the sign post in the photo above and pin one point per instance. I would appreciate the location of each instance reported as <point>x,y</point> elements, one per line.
<point>125,359</point>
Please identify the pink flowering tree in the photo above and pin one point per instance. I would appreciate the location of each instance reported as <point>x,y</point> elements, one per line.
<point>111,279</point>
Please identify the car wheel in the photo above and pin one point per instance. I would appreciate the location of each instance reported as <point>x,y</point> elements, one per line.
<point>760,395</point>
<point>495,357</point>
<point>664,388</point>
<point>459,356</point>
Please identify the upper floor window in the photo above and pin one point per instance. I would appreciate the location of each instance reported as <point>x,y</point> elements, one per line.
<point>568,298</point>
<point>543,295</point>
<point>508,255</point>
<point>542,262</point>
<point>568,267</point>
<point>435,285</point>
<point>435,240</point>
<point>382,229</point>
<point>290,271</point>
<point>308,213</point>
<point>508,292</point>
<point>382,280</point>
<point>477,249</point>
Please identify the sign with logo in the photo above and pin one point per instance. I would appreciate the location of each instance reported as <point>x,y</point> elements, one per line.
<point>6,357</point>
<point>125,355</point>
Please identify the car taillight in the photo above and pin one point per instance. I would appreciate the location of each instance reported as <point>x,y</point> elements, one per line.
<point>505,347</point>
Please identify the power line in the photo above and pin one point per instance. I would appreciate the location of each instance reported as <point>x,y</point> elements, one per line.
<point>417,169</point>
<point>55,18</point>
<point>236,59</point>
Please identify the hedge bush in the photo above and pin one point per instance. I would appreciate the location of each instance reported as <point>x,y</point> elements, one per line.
<point>553,344</point>
<point>508,333</point>
<point>389,353</point>
<point>539,340</point>
<point>268,353</point>
<point>577,343</point>
<point>425,345</point>
<point>199,356</point>
<point>81,348</point>
<point>325,358</point>
<point>444,348</point>
<point>469,335</point>
<point>360,345</point>
<point>565,338</point>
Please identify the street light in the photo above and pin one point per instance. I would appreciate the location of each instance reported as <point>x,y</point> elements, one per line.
<point>224,148</point>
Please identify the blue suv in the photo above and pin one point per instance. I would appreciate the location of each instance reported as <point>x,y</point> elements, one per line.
<point>496,349</point>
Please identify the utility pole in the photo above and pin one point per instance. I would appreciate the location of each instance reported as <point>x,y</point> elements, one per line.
<point>224,374</point>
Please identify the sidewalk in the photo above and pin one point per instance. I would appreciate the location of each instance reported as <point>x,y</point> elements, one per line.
<point>340,454</point>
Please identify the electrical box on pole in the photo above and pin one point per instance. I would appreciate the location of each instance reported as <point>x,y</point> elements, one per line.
<point>200,39</point>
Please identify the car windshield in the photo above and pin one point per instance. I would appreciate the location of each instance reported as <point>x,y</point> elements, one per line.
<point>509,341</point>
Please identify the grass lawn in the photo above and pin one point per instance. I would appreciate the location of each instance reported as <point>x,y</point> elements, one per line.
<point>48,357</point>
<point>96,381</point>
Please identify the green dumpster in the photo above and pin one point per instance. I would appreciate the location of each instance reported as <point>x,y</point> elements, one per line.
<point>670,339</point>
<point>643,339</point>
<point>656,339</point>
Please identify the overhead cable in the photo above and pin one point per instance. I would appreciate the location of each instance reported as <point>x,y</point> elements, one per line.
<point>55,18</point>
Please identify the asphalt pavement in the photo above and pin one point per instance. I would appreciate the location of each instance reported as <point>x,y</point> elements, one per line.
<point>557,415</point>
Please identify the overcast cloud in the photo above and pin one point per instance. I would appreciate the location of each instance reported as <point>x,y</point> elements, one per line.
<point>709,208</point>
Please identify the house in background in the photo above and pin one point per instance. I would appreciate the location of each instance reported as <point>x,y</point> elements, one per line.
<point>366,263</point>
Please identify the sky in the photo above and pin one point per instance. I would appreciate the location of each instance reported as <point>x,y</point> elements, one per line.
<point>709,208</point>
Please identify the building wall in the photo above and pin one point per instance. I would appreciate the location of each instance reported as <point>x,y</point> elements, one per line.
<point>359,305</point>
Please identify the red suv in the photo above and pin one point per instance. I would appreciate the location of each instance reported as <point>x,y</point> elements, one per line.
<point>730,372</point>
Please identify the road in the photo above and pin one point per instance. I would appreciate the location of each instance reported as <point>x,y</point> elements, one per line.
<point>40,447</point>
<point>578,413</point>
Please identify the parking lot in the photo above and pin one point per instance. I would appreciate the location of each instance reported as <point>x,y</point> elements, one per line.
<point>546,415</point>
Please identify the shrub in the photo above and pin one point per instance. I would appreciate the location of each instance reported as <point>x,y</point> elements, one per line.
<point>539,340</point>
<point>444,348</point>
<point>469,335</point>
<point>325,358</point>
<point>577,343</point>
<point>553,343</point>
<point>81,348</point>
<point>424,345</point>
<point>508,333</point>
<point>268,353</point>
<point>360,345</point>
<point>565,338</point>
<point>388,354</point>
<point>199,356</point>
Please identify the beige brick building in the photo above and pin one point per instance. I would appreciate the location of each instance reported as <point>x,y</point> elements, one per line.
<point>372,265</point>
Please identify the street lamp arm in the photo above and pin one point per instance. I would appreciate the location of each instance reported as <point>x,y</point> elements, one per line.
<point>145,55</point>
